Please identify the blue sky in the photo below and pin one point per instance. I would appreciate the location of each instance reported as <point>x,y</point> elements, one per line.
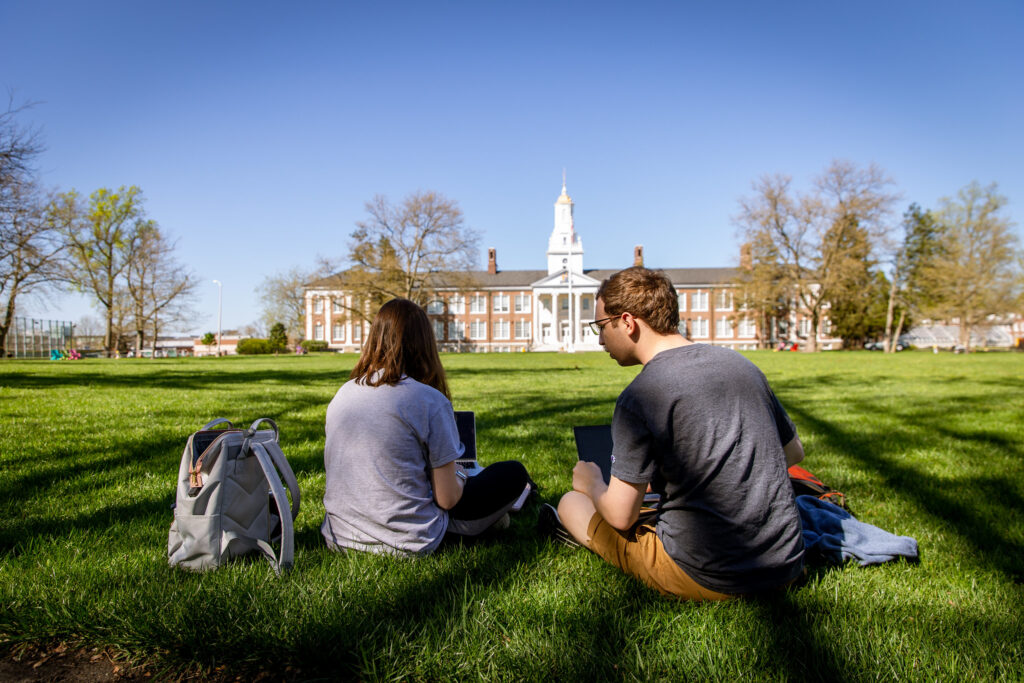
<point>258,130</point>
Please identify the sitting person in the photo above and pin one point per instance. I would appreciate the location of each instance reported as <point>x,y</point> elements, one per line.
<point>699,425</point>
<point>393,485</point>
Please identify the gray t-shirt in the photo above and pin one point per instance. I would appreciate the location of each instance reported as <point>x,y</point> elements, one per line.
<point>702,426</point>
<point>381,444</point>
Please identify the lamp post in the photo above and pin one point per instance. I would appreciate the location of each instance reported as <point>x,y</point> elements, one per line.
<point>220,299</point>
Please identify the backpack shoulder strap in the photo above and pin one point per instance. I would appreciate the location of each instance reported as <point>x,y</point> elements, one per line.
<point>287,556</point>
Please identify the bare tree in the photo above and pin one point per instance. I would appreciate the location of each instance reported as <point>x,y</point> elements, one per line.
<point>19,147</point>
<point>977,272</point>
<point>31,251</point>
<point>818,241</point>
<point>159,288</point>
<point>408,251</point>
<point>284,297</point>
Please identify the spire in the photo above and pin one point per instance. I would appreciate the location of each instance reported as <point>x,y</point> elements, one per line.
<point>564,198</point>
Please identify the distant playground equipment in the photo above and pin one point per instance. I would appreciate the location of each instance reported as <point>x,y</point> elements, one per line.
<point>35,338</point>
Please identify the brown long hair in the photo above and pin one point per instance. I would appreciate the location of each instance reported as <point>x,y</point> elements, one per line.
<point>401,342</point>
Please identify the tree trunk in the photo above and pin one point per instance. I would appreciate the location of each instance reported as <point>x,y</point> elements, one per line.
<point>890,342</point>
<point>5,328</point>
<point>899,329</point>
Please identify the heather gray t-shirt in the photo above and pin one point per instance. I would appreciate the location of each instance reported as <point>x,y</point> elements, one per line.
<point>702,426</point>
<point>381,444</point>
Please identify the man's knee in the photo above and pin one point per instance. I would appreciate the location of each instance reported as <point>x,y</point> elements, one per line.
<point>575,510</point>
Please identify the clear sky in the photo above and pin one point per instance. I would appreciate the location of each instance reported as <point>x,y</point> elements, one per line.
<point>258,130</point>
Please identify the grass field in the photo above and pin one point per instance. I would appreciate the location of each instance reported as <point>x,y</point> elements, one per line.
<point>930,446</point>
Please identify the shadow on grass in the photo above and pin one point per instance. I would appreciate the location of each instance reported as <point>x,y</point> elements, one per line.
<point>972,506</point>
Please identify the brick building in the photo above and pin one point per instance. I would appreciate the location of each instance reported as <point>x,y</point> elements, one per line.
<point>548,310</point>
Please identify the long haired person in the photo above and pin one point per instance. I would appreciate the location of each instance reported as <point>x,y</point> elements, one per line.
<point>393,485</point>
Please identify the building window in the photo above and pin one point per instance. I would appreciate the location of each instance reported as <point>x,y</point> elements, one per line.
<point>522,329</point>
<point>477,304</point>
<point>825,327</point>
<point>804,330</point>
<point>438,329</point>
<point>748,328</point>
<point>699,328</point>
<point>478,329</point>
<point>339,332</point>
<point>585,304</point>
<point>699,299</point>
<point>501,303</point>
<point>318,332</point>
<point>682,301</point>
<point>723,327</point>
<point>565,302</point>
<point>338,306</point>
<point>456,304</point>
<point>456,330</point>
<point>723,300</point>
<point>435,307</point>
<point>500,329</point>
<point>357,332</point>
<point>318,305</point>
<point>522,303</point>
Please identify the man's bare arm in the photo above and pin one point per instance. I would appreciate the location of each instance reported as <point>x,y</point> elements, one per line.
<point>794,451</point>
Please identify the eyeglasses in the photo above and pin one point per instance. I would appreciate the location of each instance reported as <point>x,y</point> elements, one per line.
<point>597,325</point>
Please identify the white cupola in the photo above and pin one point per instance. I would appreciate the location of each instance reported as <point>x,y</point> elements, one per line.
<point>565,250</point>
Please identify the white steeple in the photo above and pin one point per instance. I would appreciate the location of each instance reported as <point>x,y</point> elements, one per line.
<point>565,249</point>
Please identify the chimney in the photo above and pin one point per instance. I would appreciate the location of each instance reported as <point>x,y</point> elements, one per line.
<point>492,261</point>
<point>638,255</point>
<point>746,262</point>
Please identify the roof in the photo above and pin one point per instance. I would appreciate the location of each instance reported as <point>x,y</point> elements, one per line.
<point>524,278</point>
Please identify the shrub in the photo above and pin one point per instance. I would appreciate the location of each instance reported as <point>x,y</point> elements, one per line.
<point>311,345</point>
<point>252,347</point>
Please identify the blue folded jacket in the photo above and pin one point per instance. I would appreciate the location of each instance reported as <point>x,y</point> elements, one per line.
<point>839,536</point>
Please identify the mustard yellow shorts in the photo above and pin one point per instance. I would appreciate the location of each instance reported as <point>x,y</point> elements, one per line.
<point>640,553</point>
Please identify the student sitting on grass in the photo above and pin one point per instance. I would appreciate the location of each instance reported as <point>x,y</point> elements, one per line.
<point>701,426</point>
<point>392,482</point>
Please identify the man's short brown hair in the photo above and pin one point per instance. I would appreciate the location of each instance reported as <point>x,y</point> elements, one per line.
<point>647,294</point>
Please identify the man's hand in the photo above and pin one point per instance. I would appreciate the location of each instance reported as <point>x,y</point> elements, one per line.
<point>587,479</point>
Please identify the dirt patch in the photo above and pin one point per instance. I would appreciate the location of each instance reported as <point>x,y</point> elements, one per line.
<point>25,662</point>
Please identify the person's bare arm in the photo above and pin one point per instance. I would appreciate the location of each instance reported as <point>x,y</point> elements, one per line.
<point>794,451</point>
<point>618,501</point>
<point>447,485</point>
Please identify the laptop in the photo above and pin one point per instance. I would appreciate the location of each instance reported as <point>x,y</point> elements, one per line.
<point>594,444</point>
<point>465,420</point>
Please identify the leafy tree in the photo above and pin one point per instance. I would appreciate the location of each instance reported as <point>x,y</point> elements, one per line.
<point>101,238</point>
<point>911,288</point>
<point>859,313</point>
<point>408,251</point>
<point>278,339</point>
<point>817,240</point>
<point>209,339</point>
<point>976,273</point>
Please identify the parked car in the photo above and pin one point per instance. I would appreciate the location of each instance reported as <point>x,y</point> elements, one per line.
<point>880,346</point>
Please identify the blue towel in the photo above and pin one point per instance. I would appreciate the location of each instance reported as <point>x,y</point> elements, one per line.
<point>835,533</point>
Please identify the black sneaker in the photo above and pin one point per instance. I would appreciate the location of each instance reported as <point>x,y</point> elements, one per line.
<point>550,526</point>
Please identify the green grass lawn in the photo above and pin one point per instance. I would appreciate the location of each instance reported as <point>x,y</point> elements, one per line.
<point>930,446</point>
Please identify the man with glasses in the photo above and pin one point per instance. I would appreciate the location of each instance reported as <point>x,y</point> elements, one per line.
<point>700,426</point>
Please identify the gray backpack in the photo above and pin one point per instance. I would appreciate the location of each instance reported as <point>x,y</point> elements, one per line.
<point>222,508</point>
